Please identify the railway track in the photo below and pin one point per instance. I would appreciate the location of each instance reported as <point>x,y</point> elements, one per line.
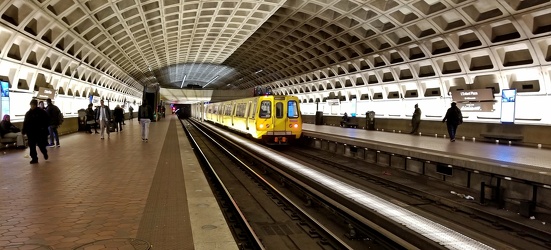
<point>416,193</point>
<point>340,217</point>
<point>262,216</point>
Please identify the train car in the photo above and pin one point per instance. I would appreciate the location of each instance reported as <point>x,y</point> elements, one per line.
<point>274,119</point>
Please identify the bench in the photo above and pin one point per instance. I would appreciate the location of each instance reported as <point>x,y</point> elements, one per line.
<point>351,123</point>
<point>7,141</point>
<point>504,136</point>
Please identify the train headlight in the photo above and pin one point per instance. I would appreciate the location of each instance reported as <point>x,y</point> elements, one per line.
<point>261,126</point>
<point>295,126</point>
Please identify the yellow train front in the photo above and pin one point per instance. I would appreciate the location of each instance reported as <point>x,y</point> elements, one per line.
<point>271,118</point>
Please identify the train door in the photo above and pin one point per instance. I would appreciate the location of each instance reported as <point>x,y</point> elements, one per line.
<point>279,118</point>
<point>232,112</point>
<point>247,114</point>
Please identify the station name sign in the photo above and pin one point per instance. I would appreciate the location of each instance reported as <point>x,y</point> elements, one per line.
<point>472,95</point>
<point>476,107</point>
<point>44,93</point>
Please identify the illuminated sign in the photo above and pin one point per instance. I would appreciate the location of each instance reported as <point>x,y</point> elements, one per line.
<point>44,93</point>
<point>476,107</point>
<point>508,100</point>
<point>5,96</point>
<point>473,95</point>
<point>5,88</point>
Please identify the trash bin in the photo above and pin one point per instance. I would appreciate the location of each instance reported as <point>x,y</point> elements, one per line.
<point>370,120</point>
<point>319,117</point>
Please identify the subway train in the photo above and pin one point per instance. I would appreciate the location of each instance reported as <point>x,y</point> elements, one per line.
<point>273,119</point>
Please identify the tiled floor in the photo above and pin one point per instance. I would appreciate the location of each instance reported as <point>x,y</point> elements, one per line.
<point>89,190</point>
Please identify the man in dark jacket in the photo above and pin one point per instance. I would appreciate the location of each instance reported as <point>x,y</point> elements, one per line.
<point>415,120</point>
<point>35,126</point>
<point>453,119</point>
<point>55,120</point>
<point>103,116</point>
<point>145,116</point>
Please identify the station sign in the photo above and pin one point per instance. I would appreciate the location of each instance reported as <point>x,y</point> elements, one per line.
<point>476,107</point>
<point>473,95</point>
<point>45,93</point>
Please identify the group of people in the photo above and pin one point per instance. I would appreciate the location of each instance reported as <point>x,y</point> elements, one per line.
<point>102,115</point>
<point>40,124</point>
<point>453,119</point>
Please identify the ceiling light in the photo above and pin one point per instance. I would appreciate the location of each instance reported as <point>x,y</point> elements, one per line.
<point>212,80</point>
<point>183,80</point>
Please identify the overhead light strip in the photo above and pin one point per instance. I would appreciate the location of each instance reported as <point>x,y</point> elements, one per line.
<point>183,80</point>
<point>212,80</point>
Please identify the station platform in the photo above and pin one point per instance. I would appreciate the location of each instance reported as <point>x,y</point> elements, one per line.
<point>116,193</point>
<point>531,164</point>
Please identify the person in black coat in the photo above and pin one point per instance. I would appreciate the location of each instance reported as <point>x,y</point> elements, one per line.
<point>453,119</point>
<point>55,120</point>
<point>145,116</point>
<point>91,119</point>
<point>415,120</point>
<point>118,114</point>
<point>35,126</point>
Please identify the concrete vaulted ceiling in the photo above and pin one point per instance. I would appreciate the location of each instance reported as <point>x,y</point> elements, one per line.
<point>245,43</point>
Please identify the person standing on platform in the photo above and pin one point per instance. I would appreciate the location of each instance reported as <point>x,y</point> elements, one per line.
<point>35,126</point>
<point>91,119</point>
<point>344,119</point>
<point>55,120</point>
<point>415,120</point>
<point>8,130</point>
<point>41,105</point>
<point>145,116</point>
<point>453,119</point>
<point>118,113</point>
<point>103,116</point>
<point>131,111</point>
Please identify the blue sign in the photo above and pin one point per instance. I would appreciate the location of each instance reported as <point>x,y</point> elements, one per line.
<point>5,88</point>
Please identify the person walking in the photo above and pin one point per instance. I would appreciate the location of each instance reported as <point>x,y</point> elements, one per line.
<point>91,119</point>
<point>453,119</point>
<point>118,114</point>
<point>415,120</point>
<point>103,115</point>
<point>35,126</point>
<point>8,130</point>
<point>145,116</point>
<point>55,120</point>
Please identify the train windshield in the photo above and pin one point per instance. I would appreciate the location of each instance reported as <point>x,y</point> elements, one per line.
<point>265,109</point>
<point>292,109</point>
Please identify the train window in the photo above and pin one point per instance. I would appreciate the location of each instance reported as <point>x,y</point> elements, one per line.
<point>265,109</point>
<point>292,109</point>
<point>279,110</point>
<point>227,109</point>
<point>240,112</point>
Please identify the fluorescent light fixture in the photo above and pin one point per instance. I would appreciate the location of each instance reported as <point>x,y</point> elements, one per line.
<point>183,80</point>
<point>258,72</point>
<point>212,80</point>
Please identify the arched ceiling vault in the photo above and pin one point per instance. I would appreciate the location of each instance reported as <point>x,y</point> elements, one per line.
<point>239,44</point>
